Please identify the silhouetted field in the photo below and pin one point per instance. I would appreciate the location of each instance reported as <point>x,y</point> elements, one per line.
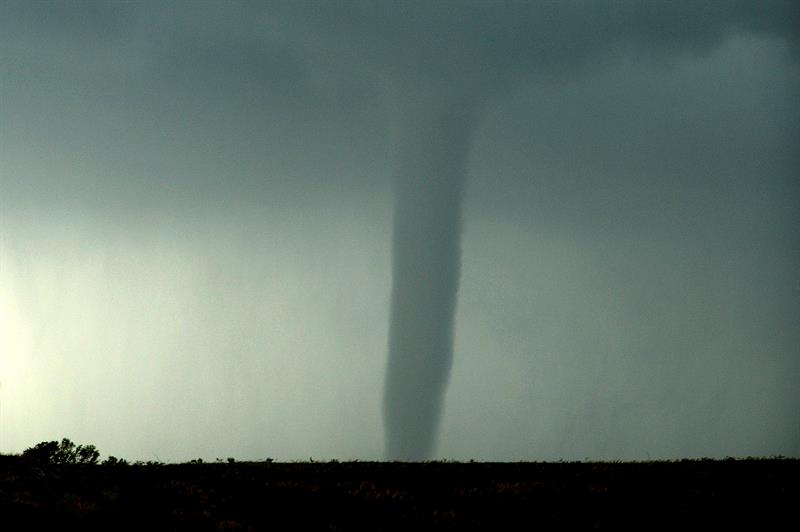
<point>703,494</point>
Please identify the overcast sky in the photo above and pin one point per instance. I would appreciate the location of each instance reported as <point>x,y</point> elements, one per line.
<point>196,209</point>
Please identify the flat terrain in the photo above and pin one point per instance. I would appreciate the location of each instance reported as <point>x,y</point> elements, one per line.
<point>697,494</point>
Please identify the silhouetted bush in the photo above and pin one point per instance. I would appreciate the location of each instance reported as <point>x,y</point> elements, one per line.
<point>64,452</point>
<point>148,463</point>
<point>114,461</point>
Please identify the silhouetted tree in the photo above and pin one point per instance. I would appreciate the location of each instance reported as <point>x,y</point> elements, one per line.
<point>87,454</point>
<point>45,452</point>
<point>65,452</point>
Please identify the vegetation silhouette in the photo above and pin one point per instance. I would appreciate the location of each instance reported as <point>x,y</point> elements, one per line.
<point>63,452</point>
<point>56,485</point>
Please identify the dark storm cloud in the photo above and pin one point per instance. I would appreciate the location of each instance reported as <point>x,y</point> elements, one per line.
<point>267,43</point>
<point>213,82</point>
<point>500,42</point>
<point>90,20</point>
<point>619,127</point>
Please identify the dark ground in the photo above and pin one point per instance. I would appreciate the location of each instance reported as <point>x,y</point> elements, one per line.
<point>696,495</point>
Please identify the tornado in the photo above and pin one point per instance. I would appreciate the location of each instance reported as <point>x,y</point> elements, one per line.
<point>429,180</point>
<point>441,52</point>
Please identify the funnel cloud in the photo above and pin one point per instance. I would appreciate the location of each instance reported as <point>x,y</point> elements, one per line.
<point>503,46</point>
<point>426,263</point>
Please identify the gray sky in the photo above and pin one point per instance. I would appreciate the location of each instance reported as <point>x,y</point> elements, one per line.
<point>195,224</point>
